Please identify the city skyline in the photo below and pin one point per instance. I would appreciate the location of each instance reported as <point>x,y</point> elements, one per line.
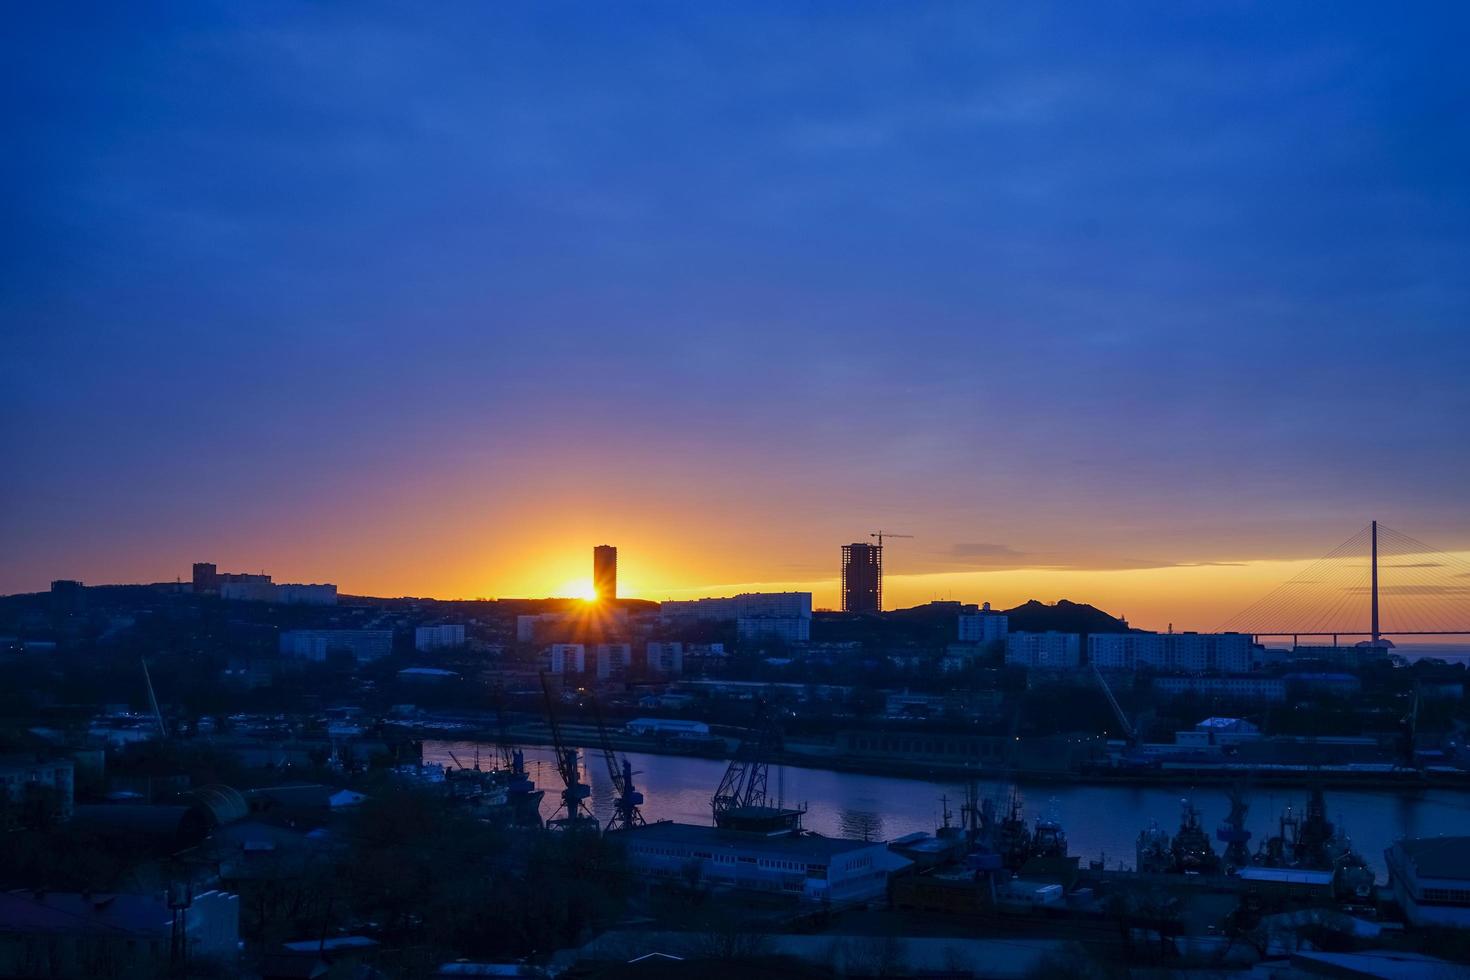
<point>423,310</point>
<point>1161,598</point>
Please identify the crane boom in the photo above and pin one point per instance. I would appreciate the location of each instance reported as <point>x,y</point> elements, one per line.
<point>153,700</point>
<point>574,796</point>
<point>880,535</point>
<point>1112,701</point>
<point>625,807</point>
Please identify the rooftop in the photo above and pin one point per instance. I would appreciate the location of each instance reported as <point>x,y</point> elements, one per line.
<point>805,845</point>
<point>73,913</point>
<point>1375,964</point>
<point>1438,857</point>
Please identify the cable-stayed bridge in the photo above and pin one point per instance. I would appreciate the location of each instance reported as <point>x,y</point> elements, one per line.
<point>1378,583</point>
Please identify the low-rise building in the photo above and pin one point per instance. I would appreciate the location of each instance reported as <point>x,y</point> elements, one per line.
<point>426,638</point>
<point>1430,877</point>
<point>70,934</point>
<point>1219,731</point>
<point>427,675</point>
<point>23,777</point>
<point>804,867</point>
<point>1246,688</point>
<point>666,726</point>
<point>1330,683</point>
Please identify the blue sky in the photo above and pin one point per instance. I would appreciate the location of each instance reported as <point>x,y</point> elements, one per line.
<point>403,288</point>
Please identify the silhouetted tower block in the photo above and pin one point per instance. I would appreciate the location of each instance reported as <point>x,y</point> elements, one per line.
<point>206,577</point>
<point>862,578</point>
<point>605,571</point>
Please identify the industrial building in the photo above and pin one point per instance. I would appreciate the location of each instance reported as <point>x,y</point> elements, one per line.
<point>807,867</point>
<point>666,726</point>
<point>1049,649</point>
<point>316,645</point>
<point>22,776</point>
<point>605,572</point>
<point>983,625</point>
<point>427,638</point>
<point>1177,652</point>
<point>1246,688</point>
<point>862,578</point>
<point>71,934</point>
<point>1430,877</point>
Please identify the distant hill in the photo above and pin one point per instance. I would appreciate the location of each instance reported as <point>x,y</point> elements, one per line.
<point>1064,617</point>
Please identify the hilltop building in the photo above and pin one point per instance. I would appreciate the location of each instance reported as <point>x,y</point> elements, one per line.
<point>983,625</point>
<point>862,578</point>
<point>241,586</point>
<point>786,616</point>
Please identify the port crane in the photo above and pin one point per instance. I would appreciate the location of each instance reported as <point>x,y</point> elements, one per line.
<point>1128,732</point>
<point>574,795</point>
<point>742,800</point>
<point>153,701</point>
<point>627,801</point>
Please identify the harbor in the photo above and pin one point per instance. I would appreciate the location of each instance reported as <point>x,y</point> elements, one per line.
<point>847,804</point>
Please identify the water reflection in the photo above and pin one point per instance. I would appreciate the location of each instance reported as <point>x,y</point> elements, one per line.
<point>861,824</point>
<point>1100,821</point>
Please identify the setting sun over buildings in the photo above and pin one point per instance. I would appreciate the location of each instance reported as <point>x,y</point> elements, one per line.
<point>1186,596</point>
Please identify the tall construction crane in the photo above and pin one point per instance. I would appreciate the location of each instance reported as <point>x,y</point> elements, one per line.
<point>574,795</point>
<point>880,535</point>
<point>625,805</point>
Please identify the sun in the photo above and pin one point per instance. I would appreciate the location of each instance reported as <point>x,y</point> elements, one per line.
<point>580,588</point>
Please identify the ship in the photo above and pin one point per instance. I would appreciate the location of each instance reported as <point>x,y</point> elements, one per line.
<point>1154,856</point>
<point>1049,839</point>
<point>1233,835</point>
<point>503,795</point>
<point>1012,838</point>
<point>1192,851</point>
<point>1311,842</point>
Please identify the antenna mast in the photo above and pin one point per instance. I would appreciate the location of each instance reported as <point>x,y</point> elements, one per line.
<point>1375,584</point>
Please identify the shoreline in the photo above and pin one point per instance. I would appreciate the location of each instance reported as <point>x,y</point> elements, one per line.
<point>1286,778</point>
